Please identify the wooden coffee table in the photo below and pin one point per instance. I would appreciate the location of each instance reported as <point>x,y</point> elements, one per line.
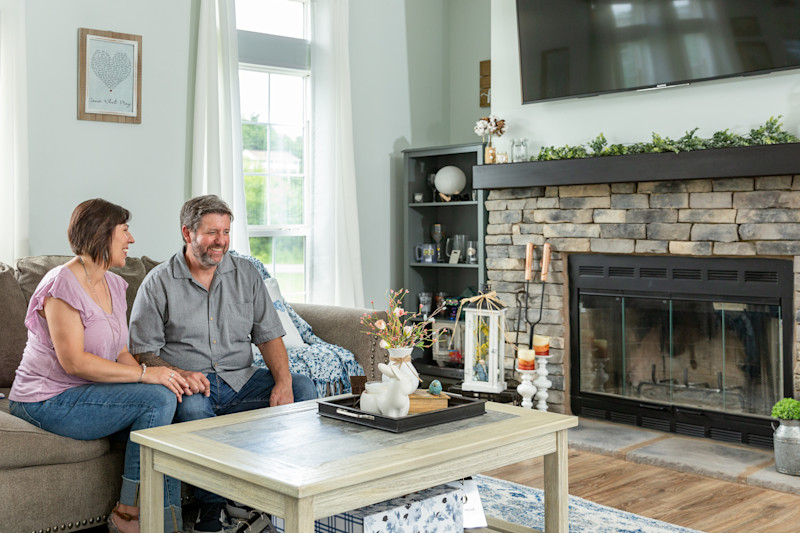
<point>291,462</point>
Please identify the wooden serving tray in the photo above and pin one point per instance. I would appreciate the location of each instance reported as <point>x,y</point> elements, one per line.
<point>459,408</point>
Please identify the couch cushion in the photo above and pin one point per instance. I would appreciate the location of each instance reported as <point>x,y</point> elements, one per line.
<point>133,272</point>
<point>26,445</point>
<point>14,334</point>
<point>149,264</point>
<point>31,270</point>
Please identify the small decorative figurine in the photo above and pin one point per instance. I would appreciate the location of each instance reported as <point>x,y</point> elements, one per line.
<point>435,387</point>
<point>480,371</point>
<point>394,400</point>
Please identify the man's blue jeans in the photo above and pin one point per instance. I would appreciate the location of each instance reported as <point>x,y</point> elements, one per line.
<point>224,400</point>
<point>100,410</point>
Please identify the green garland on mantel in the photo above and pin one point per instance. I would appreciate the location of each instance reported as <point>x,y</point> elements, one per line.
<point>771,132</point>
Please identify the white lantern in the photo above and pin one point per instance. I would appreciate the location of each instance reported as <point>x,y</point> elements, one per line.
<point>484,345</point>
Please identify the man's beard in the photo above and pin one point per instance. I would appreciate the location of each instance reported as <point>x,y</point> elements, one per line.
<point>201,254</point>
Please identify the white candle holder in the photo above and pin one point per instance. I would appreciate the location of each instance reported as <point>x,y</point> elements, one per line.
<point>526,389</point>
<point>542,383</point>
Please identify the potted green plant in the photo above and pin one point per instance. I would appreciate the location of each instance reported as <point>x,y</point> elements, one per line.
<point>786,441</point>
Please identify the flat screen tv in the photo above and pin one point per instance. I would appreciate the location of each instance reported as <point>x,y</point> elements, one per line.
<point>571,48</point>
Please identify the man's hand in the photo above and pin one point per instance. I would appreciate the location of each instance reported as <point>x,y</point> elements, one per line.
<point>281,394</point>
<point>196,383</point>
<point>193,382</point>
<point>277,360</point>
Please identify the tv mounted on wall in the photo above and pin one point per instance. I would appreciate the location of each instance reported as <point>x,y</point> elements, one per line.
<point>572,48</point>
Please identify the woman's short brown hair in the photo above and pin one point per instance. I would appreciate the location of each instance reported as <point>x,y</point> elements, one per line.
<point>92,226</point>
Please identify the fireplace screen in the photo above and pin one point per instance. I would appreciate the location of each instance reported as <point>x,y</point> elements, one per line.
<point>713,355</point>
<point>700,346</point>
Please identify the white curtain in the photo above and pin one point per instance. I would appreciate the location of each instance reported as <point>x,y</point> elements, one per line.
<point>217,147</point>
<point>13,132</point>
<point>336,249</point>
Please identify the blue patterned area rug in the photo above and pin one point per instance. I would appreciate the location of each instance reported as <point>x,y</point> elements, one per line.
<point>523,505</point>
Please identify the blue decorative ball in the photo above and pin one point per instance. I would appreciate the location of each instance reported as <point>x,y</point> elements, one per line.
<point>435,387</point>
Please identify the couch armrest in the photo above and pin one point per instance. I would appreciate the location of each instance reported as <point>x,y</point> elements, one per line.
<point>342,326</point>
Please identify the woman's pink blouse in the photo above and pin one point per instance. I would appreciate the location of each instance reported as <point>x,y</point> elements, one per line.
<point>40,375</point>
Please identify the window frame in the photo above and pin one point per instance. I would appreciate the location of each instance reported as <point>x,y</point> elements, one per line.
<point>274,54</point>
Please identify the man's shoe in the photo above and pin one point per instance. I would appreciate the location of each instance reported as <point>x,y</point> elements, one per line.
<point>248,519</point>
<point>237,511</point>
<point>212,520</point>
<point>257,523</point>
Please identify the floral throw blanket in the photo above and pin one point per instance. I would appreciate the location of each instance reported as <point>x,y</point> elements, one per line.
<point>329,366</point>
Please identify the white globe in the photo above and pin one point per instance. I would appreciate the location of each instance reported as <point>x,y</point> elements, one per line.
<point>450,180</point>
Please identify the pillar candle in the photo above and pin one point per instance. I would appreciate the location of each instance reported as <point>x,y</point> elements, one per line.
<point>541,345</point>
<point>526,359</point>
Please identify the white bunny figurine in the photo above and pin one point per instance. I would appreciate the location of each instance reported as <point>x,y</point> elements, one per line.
<point>393,401</point>
<point>406,373</point>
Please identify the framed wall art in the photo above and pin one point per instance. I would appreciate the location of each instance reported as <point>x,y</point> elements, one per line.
<point>109,76</point>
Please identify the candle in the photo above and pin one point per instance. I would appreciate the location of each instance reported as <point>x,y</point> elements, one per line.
<point>541,345</point>
<point>528,261</point>
<point>526,359</point>
<point>545,261</point>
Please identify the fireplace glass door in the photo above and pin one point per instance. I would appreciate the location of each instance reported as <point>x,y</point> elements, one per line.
<point>694,353</point>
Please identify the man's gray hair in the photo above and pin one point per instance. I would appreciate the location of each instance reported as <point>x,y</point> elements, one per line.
<point>193,211</point>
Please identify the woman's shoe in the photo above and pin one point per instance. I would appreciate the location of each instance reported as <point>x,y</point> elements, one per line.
<point>112,526</point>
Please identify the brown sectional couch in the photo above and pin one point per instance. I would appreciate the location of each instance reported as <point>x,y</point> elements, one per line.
<point>50,483</point>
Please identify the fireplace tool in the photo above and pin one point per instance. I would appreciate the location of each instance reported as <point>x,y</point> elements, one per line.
<point>523,293</point>
<point>543,277</point>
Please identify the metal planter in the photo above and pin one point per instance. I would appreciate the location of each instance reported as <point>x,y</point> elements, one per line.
<point>787,447</point>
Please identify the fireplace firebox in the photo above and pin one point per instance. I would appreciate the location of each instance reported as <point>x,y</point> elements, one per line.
<point>696,346</point>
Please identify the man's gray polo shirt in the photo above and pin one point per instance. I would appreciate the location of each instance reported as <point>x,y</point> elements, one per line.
<point>201,330</point>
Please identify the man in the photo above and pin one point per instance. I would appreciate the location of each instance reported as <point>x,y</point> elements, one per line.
<point>198,313</point>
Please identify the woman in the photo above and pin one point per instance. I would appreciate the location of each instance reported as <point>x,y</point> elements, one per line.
<point>77,378</point>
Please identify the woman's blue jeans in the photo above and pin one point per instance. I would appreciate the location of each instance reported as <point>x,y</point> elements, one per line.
<point>100,410</point>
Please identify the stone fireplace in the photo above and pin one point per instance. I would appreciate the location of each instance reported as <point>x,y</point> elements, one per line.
<point>740,207</point>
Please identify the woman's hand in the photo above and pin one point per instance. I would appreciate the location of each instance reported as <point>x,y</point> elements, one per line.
<point>170,378</point>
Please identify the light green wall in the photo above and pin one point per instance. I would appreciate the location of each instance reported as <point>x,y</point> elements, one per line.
<point>470,43</point>
<point>414,72</point>
<point>140,166</point>
<point>738,104</point>
<point>381,128</point>
<point>414,83</point>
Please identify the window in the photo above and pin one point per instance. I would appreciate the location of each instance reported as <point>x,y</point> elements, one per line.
<point>274,98</point>
<point>273,17</point>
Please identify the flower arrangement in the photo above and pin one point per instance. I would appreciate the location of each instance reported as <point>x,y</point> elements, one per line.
<point>490,125</point>
<point>399,330</point>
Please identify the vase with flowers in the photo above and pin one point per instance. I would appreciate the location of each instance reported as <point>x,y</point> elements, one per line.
<point>489,126</point>
<point>399,333</point>
<point>786,441</point>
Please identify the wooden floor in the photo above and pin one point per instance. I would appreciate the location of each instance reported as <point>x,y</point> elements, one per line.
<point>689,500</point>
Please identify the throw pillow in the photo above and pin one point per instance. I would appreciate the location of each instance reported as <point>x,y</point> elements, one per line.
<point>292,338</point>
<point>302,326</point>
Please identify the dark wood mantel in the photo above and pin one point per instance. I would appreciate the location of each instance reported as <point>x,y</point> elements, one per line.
<point>747,161</point>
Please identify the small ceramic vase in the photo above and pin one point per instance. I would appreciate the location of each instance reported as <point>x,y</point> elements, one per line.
<point>489,155</point>
<point>369,402</point>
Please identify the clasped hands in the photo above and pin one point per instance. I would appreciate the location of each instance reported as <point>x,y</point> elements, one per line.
<point>180,382</point>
